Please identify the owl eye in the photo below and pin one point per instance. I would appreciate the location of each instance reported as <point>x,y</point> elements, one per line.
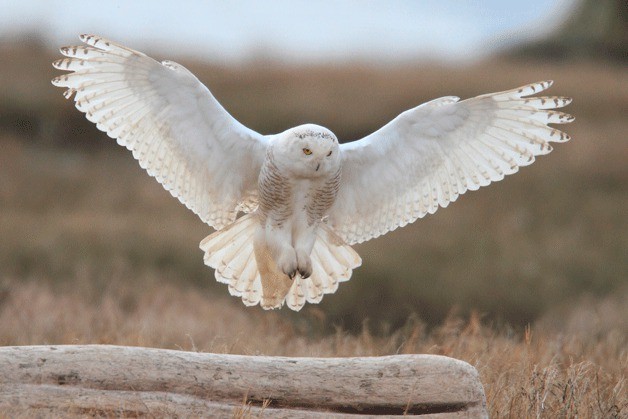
<point>307,151</point>
<point>329,154</point>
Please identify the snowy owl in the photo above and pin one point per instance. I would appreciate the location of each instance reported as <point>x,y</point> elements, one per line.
<point>304,197</point>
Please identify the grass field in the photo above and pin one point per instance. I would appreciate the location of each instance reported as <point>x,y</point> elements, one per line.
<point>526,279</point>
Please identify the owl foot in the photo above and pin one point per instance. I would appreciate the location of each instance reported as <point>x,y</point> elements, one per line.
<point>304,264</point>
<point>305,273</point>
<point>288,263</point>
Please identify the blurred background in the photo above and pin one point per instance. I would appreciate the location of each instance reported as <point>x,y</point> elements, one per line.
<point>80,218</point>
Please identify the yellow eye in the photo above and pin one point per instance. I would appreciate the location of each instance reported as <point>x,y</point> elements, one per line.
<point>307,151</point>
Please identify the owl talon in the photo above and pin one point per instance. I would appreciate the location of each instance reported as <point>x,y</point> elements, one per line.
<point>291,274</point>
<point>304,264</point>
<point>288,263</point>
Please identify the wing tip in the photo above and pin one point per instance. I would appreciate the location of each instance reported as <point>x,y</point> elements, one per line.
<point>62,64</point>
<point>534,88</point>
<point>101,43</point>
<point>544,84</point>
<point>564,101</point>
<point>91,39</point>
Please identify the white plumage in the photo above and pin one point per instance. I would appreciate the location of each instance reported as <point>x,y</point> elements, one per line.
<point>305,197</point>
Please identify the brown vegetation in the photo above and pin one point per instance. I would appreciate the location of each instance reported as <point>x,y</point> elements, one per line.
<point>92,250</point>
<point>572,363</point>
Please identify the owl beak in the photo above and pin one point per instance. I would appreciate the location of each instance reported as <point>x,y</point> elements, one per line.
<point>318,166</point>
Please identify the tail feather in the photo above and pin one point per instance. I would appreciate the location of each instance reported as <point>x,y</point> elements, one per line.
<point>243,280</point>
<point>252,295</point>
<point>295,299</point>
<point>329,278</point>
<point>217,245</point>
<point>232,253</point>
<point>315,287</point>
<point>238,260</point>
<point>247,284</point>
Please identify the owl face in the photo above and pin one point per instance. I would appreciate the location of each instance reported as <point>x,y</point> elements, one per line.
<point>308,151</point>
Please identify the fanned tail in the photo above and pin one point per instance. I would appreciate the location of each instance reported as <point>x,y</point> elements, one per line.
<point>244,264</point>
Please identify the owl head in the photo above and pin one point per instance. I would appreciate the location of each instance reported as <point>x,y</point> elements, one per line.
<point>307,151</point>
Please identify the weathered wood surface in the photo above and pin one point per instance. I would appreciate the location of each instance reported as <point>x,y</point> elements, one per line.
<point>131,381</point>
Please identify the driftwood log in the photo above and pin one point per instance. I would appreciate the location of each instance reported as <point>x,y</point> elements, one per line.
<point>104,380</point>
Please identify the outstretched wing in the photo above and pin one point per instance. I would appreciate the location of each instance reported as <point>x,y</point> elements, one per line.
<point>429,155</point>
<point>171,122</point>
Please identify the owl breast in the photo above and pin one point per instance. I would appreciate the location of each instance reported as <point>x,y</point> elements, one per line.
<point>285,199</point>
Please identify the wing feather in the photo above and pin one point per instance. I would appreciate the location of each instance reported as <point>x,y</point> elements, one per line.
<point>428,156</point>
<point>170,122</point>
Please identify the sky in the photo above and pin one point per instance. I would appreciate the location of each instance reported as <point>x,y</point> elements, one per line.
<point>296,30</point>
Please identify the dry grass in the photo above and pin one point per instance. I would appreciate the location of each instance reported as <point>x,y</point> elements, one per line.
<point>572,363</point>
<point>94,251</point>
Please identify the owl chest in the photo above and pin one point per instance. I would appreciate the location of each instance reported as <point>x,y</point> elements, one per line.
<point>301,201</point>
